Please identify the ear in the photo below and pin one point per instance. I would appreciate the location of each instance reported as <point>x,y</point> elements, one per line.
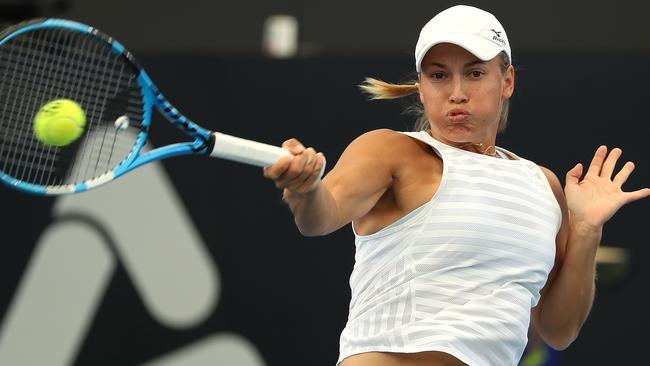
<point>508,83</point>
<point>417,84</point>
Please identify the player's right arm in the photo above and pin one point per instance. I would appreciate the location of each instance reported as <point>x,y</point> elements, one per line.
<point>351,189</point>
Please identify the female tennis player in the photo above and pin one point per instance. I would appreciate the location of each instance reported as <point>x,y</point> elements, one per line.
<point>459,244</point>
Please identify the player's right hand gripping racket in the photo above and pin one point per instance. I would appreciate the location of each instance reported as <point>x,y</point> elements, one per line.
<point>49,59</point>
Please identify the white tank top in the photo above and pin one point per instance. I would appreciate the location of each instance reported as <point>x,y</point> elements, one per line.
<point>460,273</point>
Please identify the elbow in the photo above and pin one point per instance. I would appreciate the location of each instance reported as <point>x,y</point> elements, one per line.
<point>308,233</point>
<point>561,340</point>
<point>312,230</point>
<point>318,225</point>
<point>558,332</point>
<point>560,344</point>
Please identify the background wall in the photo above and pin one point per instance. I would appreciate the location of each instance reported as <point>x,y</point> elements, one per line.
<point>353,27</point>
<point>282,297</point>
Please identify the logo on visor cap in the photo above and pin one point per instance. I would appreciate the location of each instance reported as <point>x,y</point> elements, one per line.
<point>497,36</point>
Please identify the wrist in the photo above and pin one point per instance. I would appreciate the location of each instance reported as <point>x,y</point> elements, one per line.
<point>585,229</point>
<point>290,196</point>
<point>585,238</point>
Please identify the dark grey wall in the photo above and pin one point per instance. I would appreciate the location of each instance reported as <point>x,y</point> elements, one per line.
<point>377,26</point>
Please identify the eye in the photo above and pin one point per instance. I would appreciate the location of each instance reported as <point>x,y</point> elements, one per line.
<point>476,74</point>
<point>437,75</point>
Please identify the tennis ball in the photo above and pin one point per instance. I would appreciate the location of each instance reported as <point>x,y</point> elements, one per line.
<point>59,122</point>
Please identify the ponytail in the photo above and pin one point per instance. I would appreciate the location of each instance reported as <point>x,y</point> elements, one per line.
<point>378,89</point>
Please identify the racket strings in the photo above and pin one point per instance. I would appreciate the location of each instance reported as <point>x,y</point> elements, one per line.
<point>14,152</point>
<point>25,78</point>
<point>46,64</point>
<point>21,77</point>
<point>111,70</point>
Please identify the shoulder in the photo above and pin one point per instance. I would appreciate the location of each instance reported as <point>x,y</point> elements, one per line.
<point>558,191</point>
<point>385,149</point>
<point>386,142</point>
<point>554,182</point>
<point>552,178</point>
<point>382,135</point>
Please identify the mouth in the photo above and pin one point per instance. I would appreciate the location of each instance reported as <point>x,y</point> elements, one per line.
<point>458,115</point>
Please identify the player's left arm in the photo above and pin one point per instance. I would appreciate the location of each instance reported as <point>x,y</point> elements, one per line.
<point>586,203</point>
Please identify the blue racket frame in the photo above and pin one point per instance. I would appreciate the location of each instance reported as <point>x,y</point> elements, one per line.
<point>151,98</point>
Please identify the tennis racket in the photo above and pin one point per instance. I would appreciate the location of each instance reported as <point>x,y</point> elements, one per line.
<point>48,59</point>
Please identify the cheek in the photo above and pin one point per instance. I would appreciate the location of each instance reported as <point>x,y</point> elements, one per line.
<point>489,100</point>
<point>433,104</point>
<point>432,98</point>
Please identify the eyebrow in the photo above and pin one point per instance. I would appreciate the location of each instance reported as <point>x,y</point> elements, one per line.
<point>469,64</point>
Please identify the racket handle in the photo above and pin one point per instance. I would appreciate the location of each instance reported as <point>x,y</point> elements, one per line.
<point>246,151</point>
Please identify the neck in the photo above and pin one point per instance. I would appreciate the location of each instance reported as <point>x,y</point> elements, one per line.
<point>480,147</point>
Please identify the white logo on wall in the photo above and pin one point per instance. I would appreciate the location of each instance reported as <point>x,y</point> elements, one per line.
<point>163,254</point>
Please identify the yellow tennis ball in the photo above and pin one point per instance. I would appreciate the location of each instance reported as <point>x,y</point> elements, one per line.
<point>59,122</point>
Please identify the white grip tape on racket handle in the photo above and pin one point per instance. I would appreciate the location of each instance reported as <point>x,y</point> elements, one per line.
<point>248,152</point>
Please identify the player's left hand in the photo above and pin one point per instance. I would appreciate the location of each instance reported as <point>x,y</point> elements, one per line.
<point>597,197</point>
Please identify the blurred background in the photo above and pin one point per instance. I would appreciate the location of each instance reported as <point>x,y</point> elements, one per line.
<point>170,267</point>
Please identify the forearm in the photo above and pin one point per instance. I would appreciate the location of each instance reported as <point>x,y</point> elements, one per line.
<point>315,212</point>
<point>568,301</point>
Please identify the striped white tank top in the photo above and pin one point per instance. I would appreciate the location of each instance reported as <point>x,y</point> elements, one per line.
<point>460,273</point>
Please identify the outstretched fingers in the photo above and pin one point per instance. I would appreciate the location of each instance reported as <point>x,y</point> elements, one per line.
<point>597,162</point>
<point>621,177</point>
<point>573,175</point>
<point>637,195</point>
<point>610,163</point>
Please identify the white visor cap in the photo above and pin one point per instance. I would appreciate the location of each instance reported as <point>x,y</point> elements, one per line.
<point>473,29</point>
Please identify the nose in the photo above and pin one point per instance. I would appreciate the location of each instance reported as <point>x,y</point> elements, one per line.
<point>458,94</point>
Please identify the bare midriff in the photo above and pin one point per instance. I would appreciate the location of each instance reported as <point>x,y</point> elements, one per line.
<point>402,359</point>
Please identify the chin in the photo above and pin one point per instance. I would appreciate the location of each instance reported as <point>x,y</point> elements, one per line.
<point>460,134</point>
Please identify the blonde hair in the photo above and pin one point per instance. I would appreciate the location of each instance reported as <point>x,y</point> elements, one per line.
<point>379,90</point>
